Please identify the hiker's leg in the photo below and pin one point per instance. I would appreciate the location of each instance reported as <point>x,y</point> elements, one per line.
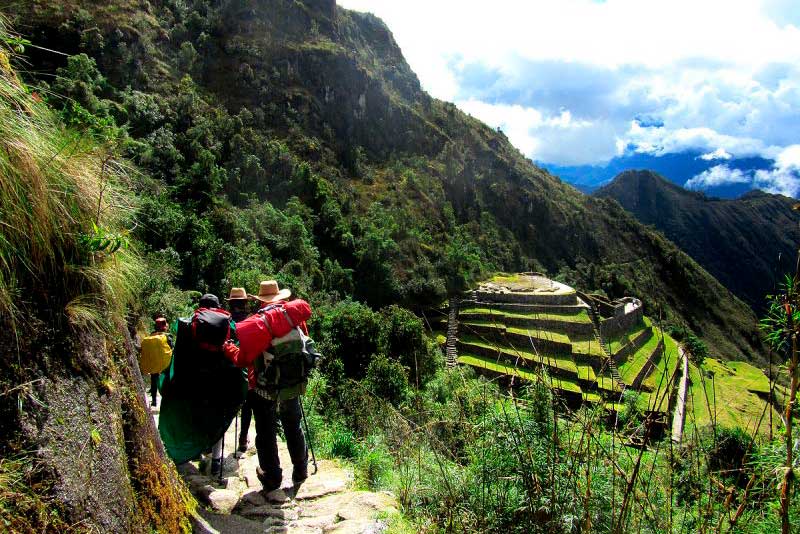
<point>216,450</point>
<point>247,414</point>
<point>266,441</point>
<point>291,418</point>
<point>216,457</point>
<point>153,388</point>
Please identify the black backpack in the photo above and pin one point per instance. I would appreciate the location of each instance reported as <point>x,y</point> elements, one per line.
<point>211,328</point>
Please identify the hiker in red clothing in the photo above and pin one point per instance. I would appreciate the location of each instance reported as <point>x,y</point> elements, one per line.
<point>281,376</point>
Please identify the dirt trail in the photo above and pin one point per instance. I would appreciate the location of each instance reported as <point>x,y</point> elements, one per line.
<point>325,503</point>
<point>680,406</point>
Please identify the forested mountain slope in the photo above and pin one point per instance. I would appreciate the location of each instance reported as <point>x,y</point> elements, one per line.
<point>291,137</point>
<point>748,244</point>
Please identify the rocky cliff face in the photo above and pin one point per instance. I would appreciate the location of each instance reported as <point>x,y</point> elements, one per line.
<point>79,451</point>
<point>79,409</point>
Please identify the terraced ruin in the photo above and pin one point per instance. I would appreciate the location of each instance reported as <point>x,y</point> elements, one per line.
<point>528,327</point>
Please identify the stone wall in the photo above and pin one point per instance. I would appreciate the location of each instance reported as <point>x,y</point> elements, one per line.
<point>498,334</point>
<point>571,399</point>
<point>527,298</point>
<point>647,368</point>
<point>597,363</point>
<point>528,308</point>
<point>542,345</point>
<point>508,357</point>
<point>564,327</point>
<point>633,346</point>
<point>616,326</point>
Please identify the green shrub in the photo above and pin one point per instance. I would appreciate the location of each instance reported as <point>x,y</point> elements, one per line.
<point>343,443</point>
<point>374,464</point>
<point>386,378</point>
<point>349,332</point>
<point>404,339</point>
<point>729,453</point>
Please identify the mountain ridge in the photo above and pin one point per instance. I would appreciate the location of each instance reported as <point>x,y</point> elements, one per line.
<point>747,243</point>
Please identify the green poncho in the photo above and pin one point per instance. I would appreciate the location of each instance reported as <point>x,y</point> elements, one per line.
<point>201,394</point>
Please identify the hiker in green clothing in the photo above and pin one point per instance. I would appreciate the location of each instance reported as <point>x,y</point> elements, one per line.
<point>202,392</point>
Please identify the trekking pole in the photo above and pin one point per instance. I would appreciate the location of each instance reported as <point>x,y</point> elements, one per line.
<point>308,437</point>
<point>221,460</point>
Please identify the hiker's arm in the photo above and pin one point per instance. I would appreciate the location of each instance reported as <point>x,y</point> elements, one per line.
<point>236,357</point>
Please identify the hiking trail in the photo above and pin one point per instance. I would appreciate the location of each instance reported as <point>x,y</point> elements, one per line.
<point>680,407</point>
<point>326,503</point>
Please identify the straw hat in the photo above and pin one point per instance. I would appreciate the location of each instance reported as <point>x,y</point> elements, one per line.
<point>268,291</point>
<point>237,293</point>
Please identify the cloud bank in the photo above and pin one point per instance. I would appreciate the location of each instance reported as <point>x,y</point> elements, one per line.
<point>783,178</point>
<point>579,82</point>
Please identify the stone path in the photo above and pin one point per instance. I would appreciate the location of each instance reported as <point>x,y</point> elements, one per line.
<point>680,406</point>
<point>325,503</point>
<point>451,350</point>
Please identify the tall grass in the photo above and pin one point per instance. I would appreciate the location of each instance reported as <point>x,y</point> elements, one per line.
<point>57,188</point>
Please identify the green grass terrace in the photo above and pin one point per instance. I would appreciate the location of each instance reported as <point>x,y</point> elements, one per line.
<point>732,394</point>
<point>633,364</point>
<point>488,364</point>
<point>580,315</point>
<point>558,361</point>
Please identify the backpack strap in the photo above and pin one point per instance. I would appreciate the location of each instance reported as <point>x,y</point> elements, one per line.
<point>288,319</point>
<point>266,323</point>
<point>263,311</point>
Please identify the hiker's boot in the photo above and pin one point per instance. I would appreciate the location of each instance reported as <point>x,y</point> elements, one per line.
<point>268,483</point>
<point>299,473</point>
<point>243,445</point>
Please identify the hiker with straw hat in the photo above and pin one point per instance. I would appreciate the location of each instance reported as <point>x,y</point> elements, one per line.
<point>270,293</point>
<point>238,305</point>
<point>287,409</point>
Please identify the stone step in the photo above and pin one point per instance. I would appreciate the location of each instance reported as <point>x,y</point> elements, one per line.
<point>451,353</point>
<point>325,502</point>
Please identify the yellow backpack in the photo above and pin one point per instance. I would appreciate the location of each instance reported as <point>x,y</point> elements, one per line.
<point>155,355</point>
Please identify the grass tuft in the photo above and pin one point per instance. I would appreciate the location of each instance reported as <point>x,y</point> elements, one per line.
<point>56,188</point>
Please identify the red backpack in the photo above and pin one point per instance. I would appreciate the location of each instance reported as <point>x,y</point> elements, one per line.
<point>257,331</point>
<point>211,327</point>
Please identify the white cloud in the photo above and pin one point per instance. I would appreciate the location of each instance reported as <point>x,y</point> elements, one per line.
<point>660,141</point>
<point>789,158</point>
<point>719,153</point>
<point>546,137</point>
<point>716,176</point>
<point>717,75</point>
<point>783,178</point>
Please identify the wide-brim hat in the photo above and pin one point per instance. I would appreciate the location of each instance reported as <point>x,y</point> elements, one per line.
<point>268,291</point>
<point>237,293</point>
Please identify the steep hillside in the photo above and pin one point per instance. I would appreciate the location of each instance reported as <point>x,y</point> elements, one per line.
<point>79,452</point>
<point>291,137</point>
<point>748,244</point>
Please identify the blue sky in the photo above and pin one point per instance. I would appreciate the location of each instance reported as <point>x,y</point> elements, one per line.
<point>581,82</point>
